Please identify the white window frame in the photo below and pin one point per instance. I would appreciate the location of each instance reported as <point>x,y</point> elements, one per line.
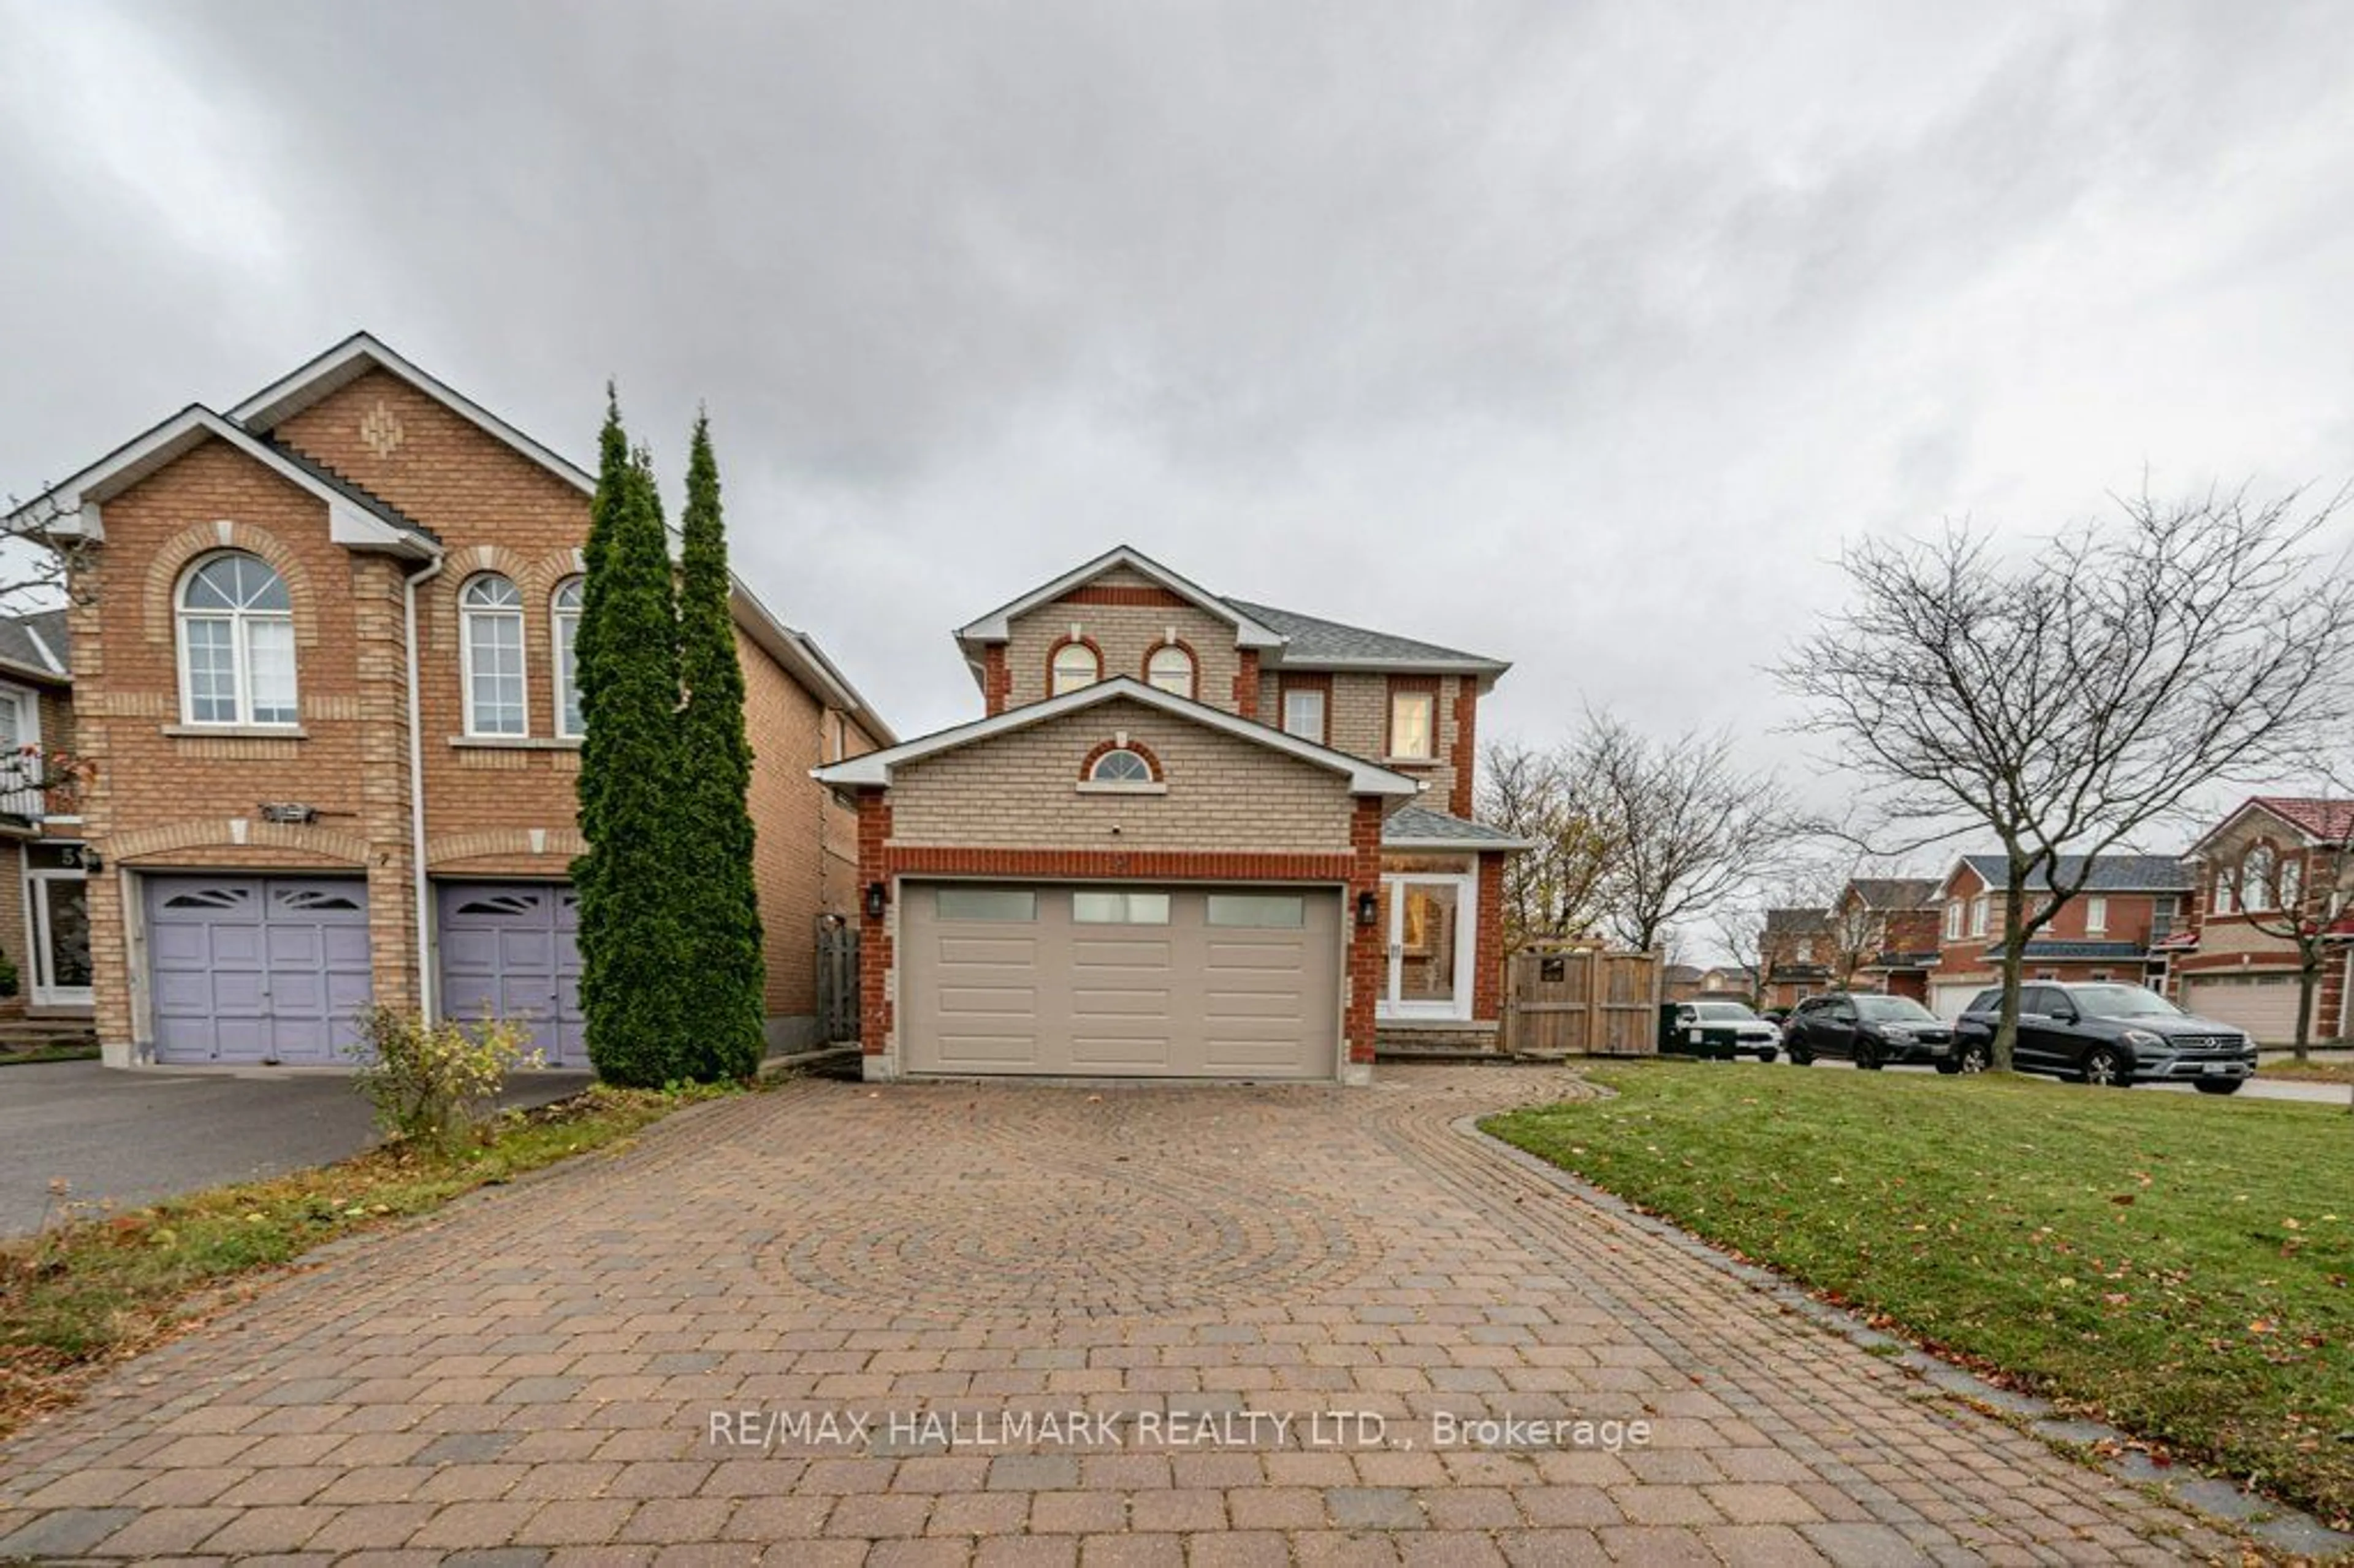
<point>1429,697</point>
<point>1956,914</point>
<point>1981,909</point>
<point>1316,694</point>
<point>467,615</point>
<point>2222,899</point>
<point>567,686</point>
<point>2096,915</point>
<point>240,643</point>
<point>1193,671</point>
<point>1054,686</point>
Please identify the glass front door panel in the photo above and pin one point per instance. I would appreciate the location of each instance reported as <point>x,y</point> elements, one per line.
<point>1426,932</point>
<point>65,933</point>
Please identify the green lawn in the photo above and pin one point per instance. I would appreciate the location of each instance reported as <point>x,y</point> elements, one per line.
<point>2177,1264</point>
<point>85,1294</point>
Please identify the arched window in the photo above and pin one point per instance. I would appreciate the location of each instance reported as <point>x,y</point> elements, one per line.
<point>491,649</point>
<point>566,609</point>
<point>236,643</point>
<point>1170,669</point>
<point>1074,666</point>
<point>1120,766</point>
<point>2290,884</point>
<point>2256,873</point>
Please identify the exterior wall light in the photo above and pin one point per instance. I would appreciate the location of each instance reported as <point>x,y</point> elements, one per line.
<point>877,896</point>
<point>1368,909</point>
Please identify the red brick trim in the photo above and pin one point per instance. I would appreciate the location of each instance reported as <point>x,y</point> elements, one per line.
<point>996,679</point>
<point>1127,594</point>
<point>1192,660</point>
<point>874,930</point>
<point>1177,865</point>
<point>1104,747</point>
<point>1463,801</point>
<point>1367,960</point>
<point>1389,711</point>
<point>1488,942</point>
<point>1082,641</point>
<point>1306,680</point>
<point>1246,684</point>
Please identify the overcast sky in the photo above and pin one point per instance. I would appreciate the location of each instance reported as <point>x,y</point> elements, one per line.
<point>1581,335</point>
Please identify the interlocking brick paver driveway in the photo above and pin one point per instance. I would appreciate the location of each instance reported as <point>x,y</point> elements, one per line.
<point>531,1378</point>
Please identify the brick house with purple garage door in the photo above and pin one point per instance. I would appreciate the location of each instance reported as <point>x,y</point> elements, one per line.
<point>1189,836</point>
<point>321,660</point>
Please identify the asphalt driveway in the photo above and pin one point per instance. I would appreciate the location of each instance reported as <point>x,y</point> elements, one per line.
<point>950,1325</point>
<point>146,1133</point>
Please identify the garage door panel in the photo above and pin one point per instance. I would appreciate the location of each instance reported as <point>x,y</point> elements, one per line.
<point>255,969</point>
<point>1174,1000</point>
<point>511,950</point>
<point>2263,1005</point>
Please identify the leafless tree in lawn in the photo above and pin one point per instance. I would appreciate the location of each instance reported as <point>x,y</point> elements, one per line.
<point>1689,828</point>
<point>2297,897</point>
<point>1552,892</point>
<point>2066,702</point>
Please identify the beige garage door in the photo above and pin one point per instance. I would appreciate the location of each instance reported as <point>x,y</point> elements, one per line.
<point>1120,982</point>
<point>2264,1005</point>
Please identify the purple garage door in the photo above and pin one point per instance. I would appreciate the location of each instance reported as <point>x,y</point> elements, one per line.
<point>510,950</point>
<point>257,968</point>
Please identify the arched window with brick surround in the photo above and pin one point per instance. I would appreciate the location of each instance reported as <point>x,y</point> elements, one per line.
<point>237,642</point>
<point>1170,668</point>
<point>1073,666</point>
<point>490,648</point>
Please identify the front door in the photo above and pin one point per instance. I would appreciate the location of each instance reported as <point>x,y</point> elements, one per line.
<point>60,935</point>
<point>1430,954</point>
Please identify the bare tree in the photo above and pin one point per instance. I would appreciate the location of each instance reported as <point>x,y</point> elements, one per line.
<point>1740,930</point>
<point>37,569</point>
<point>2069,701</point>
<point>1552,892</point>
<point>1688,827</point>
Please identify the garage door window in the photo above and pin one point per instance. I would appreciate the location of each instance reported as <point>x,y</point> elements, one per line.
<point>1012,904</point>
<point>1264,911</point>
<point>1119,908</point>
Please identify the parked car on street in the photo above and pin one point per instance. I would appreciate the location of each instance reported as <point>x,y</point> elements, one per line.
<point>1718,1029</point>
<point>2115,1035</point>
<point>1870,1031</point>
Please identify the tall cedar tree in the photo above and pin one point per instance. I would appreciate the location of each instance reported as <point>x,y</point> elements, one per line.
<point>712,822</point>
<point>632,950</point>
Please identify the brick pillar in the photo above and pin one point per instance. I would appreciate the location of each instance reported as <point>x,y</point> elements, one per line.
<point>1487,983</point>
<point>996,679</point>
<point>874,930</point>
<point>1366,958</point>
<point>1246,684</point>
<point>1460,800</point>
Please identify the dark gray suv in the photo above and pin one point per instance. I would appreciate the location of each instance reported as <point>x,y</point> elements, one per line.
<point>2104,1033</point>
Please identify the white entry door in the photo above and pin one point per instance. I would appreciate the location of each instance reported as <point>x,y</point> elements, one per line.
<point>60,911</point>
<point>1432,931</point>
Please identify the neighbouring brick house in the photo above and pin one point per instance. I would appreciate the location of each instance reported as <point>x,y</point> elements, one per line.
<point>44,905</point>
<point>1884,934</point>
<point>2115,929</point>
<point>1188,836</point>
<point>1795,953</point>
<point>323,642</point>
<point>2273,853</point>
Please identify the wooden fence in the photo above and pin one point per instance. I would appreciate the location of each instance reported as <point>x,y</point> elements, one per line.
<point>1581,1002</point>
<point>837,981</point>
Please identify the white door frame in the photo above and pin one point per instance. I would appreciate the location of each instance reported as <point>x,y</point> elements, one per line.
<point>37,925</point>
<point>1467,943</point>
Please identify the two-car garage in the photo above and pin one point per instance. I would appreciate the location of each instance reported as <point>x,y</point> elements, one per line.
<point>1072,980</point>
<point>266,969</point>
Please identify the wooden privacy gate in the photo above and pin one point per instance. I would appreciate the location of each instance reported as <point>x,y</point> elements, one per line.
<point>1581,1002</point>
<point>837,980</point>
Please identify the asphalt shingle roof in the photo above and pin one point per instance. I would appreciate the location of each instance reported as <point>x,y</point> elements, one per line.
<point>353,492</point>
<point>2036,950</point>
<point>1787,921</point>
<point>17,646</point>
<point>2332,822</point>
<point>2111,873</point>
<point>1415,824</point>
<point>1898,892</point>
<point>1316,640</point>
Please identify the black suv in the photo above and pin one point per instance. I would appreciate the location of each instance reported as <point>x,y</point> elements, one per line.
<point>1871,1030</point>
<point>2108,1033</point>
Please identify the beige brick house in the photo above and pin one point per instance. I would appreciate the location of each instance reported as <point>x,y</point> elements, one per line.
<point>2273,859</point>
<point>321,678</point>
<point>1188,836</point>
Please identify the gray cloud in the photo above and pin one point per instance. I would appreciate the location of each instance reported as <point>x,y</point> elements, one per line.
<point>1581,337</point>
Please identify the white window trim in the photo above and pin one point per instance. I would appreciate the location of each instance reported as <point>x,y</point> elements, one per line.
<point>555,620</point>
<point>1981,910</point>
<point>1192,671</point>
<point>1430,728</point>
<point>1956,914</point>
<point>1323,713</point>
<point>2096,915</point>
<point>1054,687</point>
<point>241,652</point>
<point>466,615</point>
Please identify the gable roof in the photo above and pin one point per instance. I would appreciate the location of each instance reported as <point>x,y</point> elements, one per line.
<point>1897,892</point>
<point>1797,922</point>
<point>37,645</point>
<point>72,508</point>
<point>355,358</point>
<point>1311,642</point>
<point>996,626</point>
<point>798,655</point>
<point>875,768</point>
<point>2110,873</point>
<point>2321,821</point>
